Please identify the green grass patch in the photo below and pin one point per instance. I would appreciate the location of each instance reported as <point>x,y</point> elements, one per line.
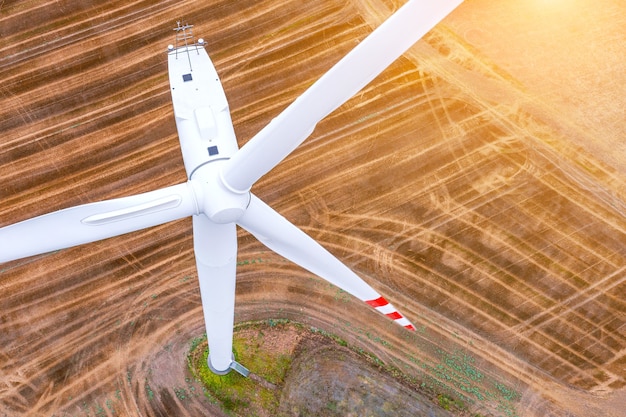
<point>239,395</point>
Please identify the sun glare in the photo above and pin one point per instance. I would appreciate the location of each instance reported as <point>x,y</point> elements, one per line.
<point>554,5</point>
<point>558,12</point>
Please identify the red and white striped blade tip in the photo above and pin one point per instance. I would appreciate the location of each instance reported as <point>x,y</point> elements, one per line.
<point>385,307</point>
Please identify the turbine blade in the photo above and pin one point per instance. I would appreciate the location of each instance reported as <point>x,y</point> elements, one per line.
<point>215,246</point>
<point>96,221</point>
<point>281,236</point>
<point>353,72</point>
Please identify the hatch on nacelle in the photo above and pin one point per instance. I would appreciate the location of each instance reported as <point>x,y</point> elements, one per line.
<point>205,121</point>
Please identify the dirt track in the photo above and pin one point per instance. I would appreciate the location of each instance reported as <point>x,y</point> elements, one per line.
<point>476,195</point>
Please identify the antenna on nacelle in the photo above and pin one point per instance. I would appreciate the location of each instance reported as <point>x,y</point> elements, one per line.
<point>185,38</point>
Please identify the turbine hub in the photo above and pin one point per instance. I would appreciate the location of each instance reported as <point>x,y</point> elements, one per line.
<point>216,200</point>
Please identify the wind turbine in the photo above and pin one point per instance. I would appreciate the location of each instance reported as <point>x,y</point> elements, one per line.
<point>220,175</point>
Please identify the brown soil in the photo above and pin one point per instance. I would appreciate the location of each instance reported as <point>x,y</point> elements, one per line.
<point>479,183</point>
<point>329,380</point>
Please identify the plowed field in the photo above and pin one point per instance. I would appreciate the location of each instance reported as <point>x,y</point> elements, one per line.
<point>479,184</point>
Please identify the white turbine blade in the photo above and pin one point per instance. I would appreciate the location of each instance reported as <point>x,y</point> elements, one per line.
<point>375,53</point>
<point>95,221</point>
<point>278,234</point>
<point>215,246</point>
